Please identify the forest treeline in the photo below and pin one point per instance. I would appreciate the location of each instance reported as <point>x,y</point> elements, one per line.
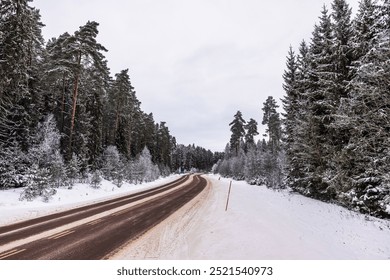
<point>63,116</point>
<point>333,140</point>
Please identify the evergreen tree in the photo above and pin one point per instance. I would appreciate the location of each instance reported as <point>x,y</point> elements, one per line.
<point>271,118</point>
<point>342,46</point>
<point>14,164</point>
<point>253,168</point>
<point>291,101</point>
<point>294,103</point>
<point>251,132</point>
<point>20,49</point>
<point>57,170</point>
<point>163,145</point>
<point>337,137</point>
<point>59,108</point>
<point>96,87</point>
<point>237,127</point>
<point>364,162</point>
<point>73,170</point>
<point>320,95</point>
<point>96,179</point>
<point>82,46</point>
<point>57,81</point>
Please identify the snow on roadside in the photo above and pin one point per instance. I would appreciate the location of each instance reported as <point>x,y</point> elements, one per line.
<point>261,224</point>
<point>13,210</point>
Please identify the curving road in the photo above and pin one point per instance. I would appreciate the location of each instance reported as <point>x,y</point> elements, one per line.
<point>95,231</point>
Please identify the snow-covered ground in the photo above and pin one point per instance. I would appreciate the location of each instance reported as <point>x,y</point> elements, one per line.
<point>13,210</point>
<point>259,224</point>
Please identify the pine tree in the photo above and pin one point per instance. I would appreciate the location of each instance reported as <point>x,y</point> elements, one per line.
<point>237,127</point>
<point>273,170</point>
<point>271,118</point>
<point>163,145</point>
<point>95,88</point>
<point>56,82</point>
<point>124,116</point>
<point>82,46</point>
<point>251,132</point>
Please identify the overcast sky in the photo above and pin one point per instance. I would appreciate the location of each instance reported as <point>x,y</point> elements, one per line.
<point>194,63</point>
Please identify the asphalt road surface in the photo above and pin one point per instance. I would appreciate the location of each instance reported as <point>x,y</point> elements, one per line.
<point>95,231</point>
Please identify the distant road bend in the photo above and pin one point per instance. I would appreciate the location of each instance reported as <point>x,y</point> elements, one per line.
<point>95,231</point>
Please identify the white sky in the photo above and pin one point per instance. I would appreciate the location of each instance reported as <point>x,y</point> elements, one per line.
<point>194,63</point>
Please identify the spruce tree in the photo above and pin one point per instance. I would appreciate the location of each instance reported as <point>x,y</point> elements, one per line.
<point>364,161</point>
<point>21,46</point>
<point>294,103</point>
<point>364,30</point>
<point>320,96</point>
<point>291,100</point>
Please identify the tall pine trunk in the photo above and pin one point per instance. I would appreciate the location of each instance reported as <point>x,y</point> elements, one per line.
<point>63,104</point>
<point>74,106</point>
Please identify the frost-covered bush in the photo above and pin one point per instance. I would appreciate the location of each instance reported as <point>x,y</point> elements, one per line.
<point>57,170</point>
<point>47,169</point>
<point>113,166</point>
<point>143,169</point>
<point>73,170</point>
<point>373,198</point>
<point>38,184</point>
<point>96,179</point>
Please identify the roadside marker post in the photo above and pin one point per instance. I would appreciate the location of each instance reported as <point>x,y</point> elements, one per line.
<point>228,197</point>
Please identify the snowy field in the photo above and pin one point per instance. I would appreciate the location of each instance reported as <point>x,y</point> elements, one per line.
<point>259,224</point>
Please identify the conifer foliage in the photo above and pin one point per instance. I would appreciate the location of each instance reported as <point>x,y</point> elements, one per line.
<point>64,119</point>
<point>260,162</point>
<point>337,109</point>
